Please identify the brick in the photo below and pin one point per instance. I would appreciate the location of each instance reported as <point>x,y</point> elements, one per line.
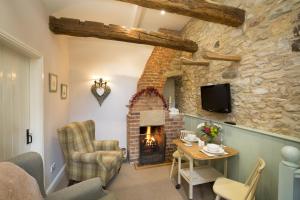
<point>152,76</point>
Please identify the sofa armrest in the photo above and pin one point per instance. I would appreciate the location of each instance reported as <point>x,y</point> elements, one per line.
<point>106,145</point>
<point>32,163</point>
<point>109,196</point>
<point>89,189</point>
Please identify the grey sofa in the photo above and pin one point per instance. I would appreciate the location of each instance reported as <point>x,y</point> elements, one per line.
<point>90,189</point>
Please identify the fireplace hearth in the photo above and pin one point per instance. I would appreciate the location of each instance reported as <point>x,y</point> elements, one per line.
<point>152,145</point>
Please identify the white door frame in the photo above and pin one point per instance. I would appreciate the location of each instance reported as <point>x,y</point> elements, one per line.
<point>36,89</point>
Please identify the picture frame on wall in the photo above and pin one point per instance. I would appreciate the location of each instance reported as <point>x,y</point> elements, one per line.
<point>52,82</point>
<point>64,91</point>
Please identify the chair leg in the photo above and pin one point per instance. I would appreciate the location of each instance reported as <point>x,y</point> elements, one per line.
<point>218,197</point>
<point>172,167</point>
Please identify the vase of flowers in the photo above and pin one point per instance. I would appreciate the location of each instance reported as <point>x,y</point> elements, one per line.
<point>209,131</point>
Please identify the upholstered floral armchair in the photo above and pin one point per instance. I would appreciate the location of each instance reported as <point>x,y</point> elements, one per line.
<point>87,158</point>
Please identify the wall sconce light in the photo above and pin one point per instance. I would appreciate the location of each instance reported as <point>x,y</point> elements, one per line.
<point>100,90</point>
<point>100,83</point>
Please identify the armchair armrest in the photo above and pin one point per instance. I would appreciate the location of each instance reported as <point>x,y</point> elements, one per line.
<point>89,189</point>
<point>86,157</point>
<point>95,157</point>
<point>106,145</point>
<point>117,153</point>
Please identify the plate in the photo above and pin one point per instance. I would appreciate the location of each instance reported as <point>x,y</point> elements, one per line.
<point>213,147</point>
<point>191,140</point>
<point>219,152</point>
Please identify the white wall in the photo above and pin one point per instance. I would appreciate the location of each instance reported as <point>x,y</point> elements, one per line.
<point>105,11</point>
<point>28,22</point>
<point>123,64</point>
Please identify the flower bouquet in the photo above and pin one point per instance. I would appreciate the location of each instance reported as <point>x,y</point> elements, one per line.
<point>209,131</point>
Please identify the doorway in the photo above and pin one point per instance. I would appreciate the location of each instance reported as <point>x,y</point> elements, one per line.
<point>14,102</point>
<point>21,98</point>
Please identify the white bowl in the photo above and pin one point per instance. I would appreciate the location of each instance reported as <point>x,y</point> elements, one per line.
<point>213,147</point>
<point>191,138</point>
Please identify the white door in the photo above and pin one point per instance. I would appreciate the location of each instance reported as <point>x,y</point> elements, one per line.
<point>14,102</point>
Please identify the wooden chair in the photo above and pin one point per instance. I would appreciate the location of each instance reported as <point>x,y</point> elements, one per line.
<point>177,154</point>
<point>234,190</point>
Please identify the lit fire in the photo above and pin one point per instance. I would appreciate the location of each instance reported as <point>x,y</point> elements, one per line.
<point>150,141</point>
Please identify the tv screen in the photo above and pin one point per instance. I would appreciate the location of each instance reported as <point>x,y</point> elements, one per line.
<point>216,98</point>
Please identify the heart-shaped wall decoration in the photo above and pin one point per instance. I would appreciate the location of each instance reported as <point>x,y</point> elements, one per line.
<point>100,93</point>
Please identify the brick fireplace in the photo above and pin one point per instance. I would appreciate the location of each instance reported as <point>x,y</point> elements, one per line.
<point>152,145</point>
<point>171,127</point>
<point>149,109</point>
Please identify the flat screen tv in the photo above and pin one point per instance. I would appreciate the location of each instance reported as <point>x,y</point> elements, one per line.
<point>216,98</point>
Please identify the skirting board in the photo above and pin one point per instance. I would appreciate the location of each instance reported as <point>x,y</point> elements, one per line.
<point>56,180</point>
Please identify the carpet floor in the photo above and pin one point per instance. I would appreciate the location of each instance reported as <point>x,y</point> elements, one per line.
<point>151,184</point>
<point>154,184</point>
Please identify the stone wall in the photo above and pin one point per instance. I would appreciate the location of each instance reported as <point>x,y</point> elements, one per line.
<point>265,84</point>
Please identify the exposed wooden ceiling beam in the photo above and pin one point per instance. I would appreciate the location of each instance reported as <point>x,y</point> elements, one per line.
<point>74,27</point>
<point>200,9</point>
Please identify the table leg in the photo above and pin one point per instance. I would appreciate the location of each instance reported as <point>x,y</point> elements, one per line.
<point>209,163</point>
<point>225,167</point>
<point>218,197</point>
<point>179,177</point>
<point>191,178</point>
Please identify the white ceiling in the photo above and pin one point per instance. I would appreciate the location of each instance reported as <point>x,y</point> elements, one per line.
<point>115,12</point>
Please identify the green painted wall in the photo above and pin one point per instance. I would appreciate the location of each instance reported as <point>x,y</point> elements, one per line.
<point>251,144</point>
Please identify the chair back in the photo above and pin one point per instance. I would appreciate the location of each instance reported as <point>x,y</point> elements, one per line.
<point>184,133</point>
<point>77,136</point>
<point>253,179</point>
